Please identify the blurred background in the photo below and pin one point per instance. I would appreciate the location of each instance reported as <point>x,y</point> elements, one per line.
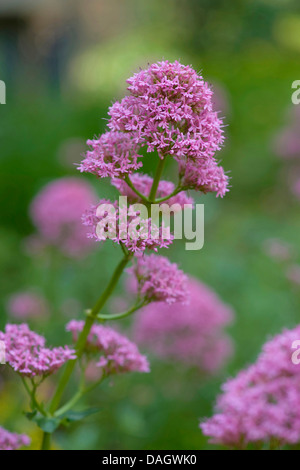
<point>63,64</point>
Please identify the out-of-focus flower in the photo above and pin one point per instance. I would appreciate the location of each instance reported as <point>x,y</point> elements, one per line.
<point>286,143</point>
<point>159,280</point>
<point>27,305</point>
<point>293,274</point>
<point>26,352</point>
<point>12,441</point>
<point>296,188</point>
<point>117,353</point>
<point>126,226</point>
<point>113,154</point>
<point>278,249</point>
<point>192,334</point>
<point>56,212</point>
<point>143,183</point>
<point>261,404</point>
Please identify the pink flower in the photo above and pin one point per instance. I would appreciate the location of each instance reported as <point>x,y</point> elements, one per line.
<point>116,353</point>
<point>12,441</point>
<point>26,305</point>
<point>56,212</point>
<point>286,143</point>
<point>143,183</point>
<point>262,403</point>
<point>113,154</point>
<point>204,175</point>
<point>26,352</point>
<point>159,280</point>
<point>296,188</point>
<point>191,334</point>
<point>169,110</point>
<point>126,226</point>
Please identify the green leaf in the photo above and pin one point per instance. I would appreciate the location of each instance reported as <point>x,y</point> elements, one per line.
<point>47,424</point>
<point>73,416</point>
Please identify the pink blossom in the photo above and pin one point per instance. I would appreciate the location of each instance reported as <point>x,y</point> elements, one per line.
<point>56,212</point>
<point>116,353</point>
<point>191,334</point>
<point>26,352</point>
<point>204,175</point>
<point>159,280</point>
<point>143,183</point>
<point>286,143</point>
<point>12,441</point>
<point>113,154</point>
<point>26,305</point>
<point>262,403</point>
<point>126,226</point>
<point>169,110</point>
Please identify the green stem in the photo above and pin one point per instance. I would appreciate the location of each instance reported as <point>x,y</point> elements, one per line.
<point>163,199</point>
<point>76,398</point>
<point>137,192</point>
<point>46,444</point>
<point>90,320</point>
<point>119,316</point>
<point>157,177</point>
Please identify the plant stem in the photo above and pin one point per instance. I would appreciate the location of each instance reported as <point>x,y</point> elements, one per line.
<point>119,316</point>
<point>157,178</point>
<point>46,444</point>
<point>139,194</point>
<point>176,191</point>
<point>91,318</point>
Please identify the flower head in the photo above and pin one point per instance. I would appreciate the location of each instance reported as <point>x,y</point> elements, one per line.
<point>116,354</point>
<point>169,110</point>
<point>26,352</point>
<point>113,154</point>
<point>12,441</point>
<point>127,226</point>
<point>261,403</point>
<point>204,175</point>
<point>159,280</point>
<point>56,212</point>
<point>190,334</point>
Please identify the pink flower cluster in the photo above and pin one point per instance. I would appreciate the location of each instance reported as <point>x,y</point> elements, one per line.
<point>169,110</point>
<point>191,334</point>
<point>26,352</point>
<point>126,226</point>
<point>143,183</point>
<point>204,175</point>
<point>117,353</point>
<point>27,305</point>
<point>159,280</point>
<point>12,441</point>
<point>56,212</point>
<point>261,405</point>
<point>114,154</point>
